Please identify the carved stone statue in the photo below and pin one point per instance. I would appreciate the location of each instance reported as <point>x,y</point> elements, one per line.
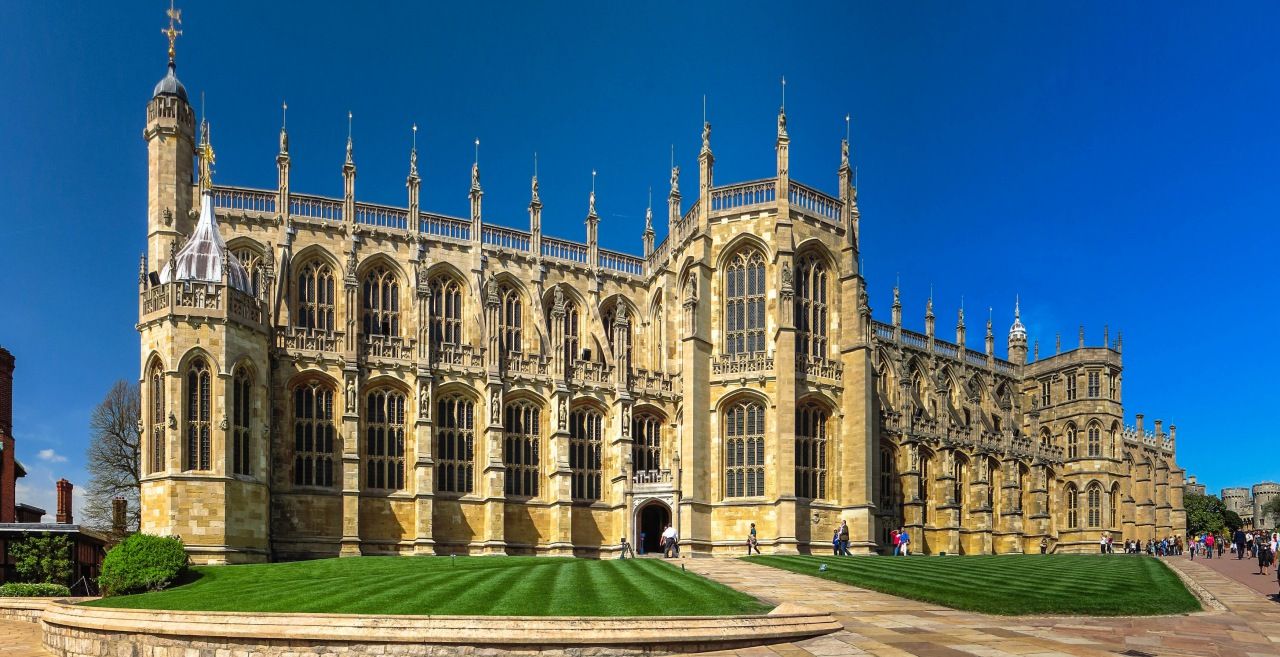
<point>675,179</point>
<point>559,299</point>
<point>351,261</point>
<point>424,278</point>
<point>351,395</point>
<point>782,122</point>
<point>786,275</point>
<point>691,288</point>
<point>424,402</point>
<point>491,289</point>
<point>620,315</point>
<point>495,408</point>
<point>706,135</point>
<point>475,176</point>
<point>563,415</point>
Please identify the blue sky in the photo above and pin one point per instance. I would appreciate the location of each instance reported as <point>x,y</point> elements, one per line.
<point>1111,164</point>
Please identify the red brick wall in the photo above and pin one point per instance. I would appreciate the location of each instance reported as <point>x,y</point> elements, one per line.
<point>8,480</point>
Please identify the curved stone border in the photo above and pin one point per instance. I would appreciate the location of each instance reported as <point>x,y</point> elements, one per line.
<point>77,631</point>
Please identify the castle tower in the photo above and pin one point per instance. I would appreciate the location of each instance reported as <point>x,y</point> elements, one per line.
<point>1017,337</point>
<point>170,137</point>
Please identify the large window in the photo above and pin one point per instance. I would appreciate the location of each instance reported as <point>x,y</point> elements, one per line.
<point>1095,440</point>
<point>1095,384</point>
<point>241,412</point>
<point>455,444</point>
<point>1046,392</point>
<point>923,486</point>
<point>744,450</point>
<point>887,479</point>
<point>1073,506</point>
<point>811,307</point>
<point>584,453</point>
<point>446,311</point>
<point>1071,386</point>
<point>381,302</point>
<point>811,451</point>
<point>384,440</point>
<point>993,469</point>
<point>960,481</point>
<point>621,353</point>
<point>198,429</point>
<point>744,305</point>
<point>510,320</point>
<point>646,445</point>
<point>1115,506</point>
<point>1094,495</point>
<point>315,298</point>
<point>521,447</point>
<point>158,438</point>
<point>313,432</point>
<point>1113,384</point>
<point>572,341</point>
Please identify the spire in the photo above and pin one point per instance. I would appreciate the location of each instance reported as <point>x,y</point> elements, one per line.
<point>782,111</point>
<point>205,152</point>
<point>1017,330</point>
<point>591,199</point>
<point>413,182</point>
<point>928,315</point>
<point>533,184</point>
<point>897,304</point>
<point>648,213</point>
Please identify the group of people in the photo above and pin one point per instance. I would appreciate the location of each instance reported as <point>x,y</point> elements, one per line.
<point>1257,545</point>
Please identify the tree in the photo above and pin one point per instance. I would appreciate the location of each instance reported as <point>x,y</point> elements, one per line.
<point>43,558</point>
<point>1271,510</point>
<point>1232,520</point>
<point>115,453</point>
<point>1204,513</point>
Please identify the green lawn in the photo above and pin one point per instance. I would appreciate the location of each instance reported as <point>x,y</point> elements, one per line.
<point>1012,585</point>
<point>499,586</point>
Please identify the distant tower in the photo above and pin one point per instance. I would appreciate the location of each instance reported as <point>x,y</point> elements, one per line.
<point>1017,337</point>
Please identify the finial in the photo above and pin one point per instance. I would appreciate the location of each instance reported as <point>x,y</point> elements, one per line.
<point>477,161</point>
<point>591,200</point>
<point>535,165</point>
<point>413,152</point>
<point>349,122</point>
<point>593,182</point>
<point>175,19</point>
<point>650,197</point>
<point>284,114</point>
<point>784,93</point>
<point>847,131</point>
<point>673,156</point>
<point>704,109</point>
<point>1017,300</point>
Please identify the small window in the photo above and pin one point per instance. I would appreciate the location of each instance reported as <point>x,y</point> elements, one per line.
<point>1046,392</point>
<point>1095,384</point>
<point>1071,386</point>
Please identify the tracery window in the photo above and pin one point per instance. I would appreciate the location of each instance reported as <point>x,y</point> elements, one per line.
<point>922,487</point>
<point>1115,506</point>
<point>158,438</point>
<point>1073,442</point>
<point>313,433</point>
<point>1095,384</point>
<point>992,470</point>
<point>744,450</point>
<point>455,444</point>
<point>315,298</point>
<point>446,311</point>
<point>1095,505</point>
<point>646,446</point>
<point>572,340</point>
<point>1113,383</point>
<point>510,320</point>
<point>811,451</point>
<point>252,261</point>
<point>622,354</point>
<point>887,477</point>
<point>1095,440</point>
<point>1073,506</point>
<point>1046,390</point>
<point>811,307</point>
<point>658,338</point>
<point>744,303</point>
<point>384,440</point>
<point>241,409</point>
<point>522,430</point>
<point>960,482</point>
<point>198,412</point>
<point>381,302</point>
<point>584,453</point>
<point>1071,386</point>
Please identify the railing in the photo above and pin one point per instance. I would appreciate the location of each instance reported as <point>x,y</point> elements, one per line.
<point>202,296</point>
<point>527,364</point>
<point>742,363</point>
<point>244,199</point>
<point>564,250</point>
<point>388,346</point>
<point>194,295</point>
<point>659,254</point>
<point>315,207</point>
<point>742,195</point>
<point>382,216</point>
<point>446,227</point>
<point>296,337</point>
<point>460,355</point>
<point>650,381</point>
<point>975,357</point>
<point>505,238</point>
<point>946,349</point>
<point>662,476</point>
<point>244,307</point>
<point>687,224</point>
<point>591,372</point>
<point>883,331</point>
<point>817,366</point>
<point>913,339</point>
<point>155,298</point>
<point>815,202</point>
<point>622,262</point>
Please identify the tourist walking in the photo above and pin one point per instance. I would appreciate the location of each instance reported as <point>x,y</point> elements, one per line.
<point>1102,545</point>
<point>1264,555</point>
<point>844,538</point>
<point>752,543</point>
<point>1208,545</point>
<point>904,542</point>
<point>1044,546</point>
<point>835,541</point>
<point>670,543</point>
<point>896,538</point>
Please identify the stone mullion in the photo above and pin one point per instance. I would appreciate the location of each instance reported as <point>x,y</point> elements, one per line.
<point>424,463</point>
<point>560,477</point>
<point>351,466</point>
<point>981,515</point>
<point>493,478</point>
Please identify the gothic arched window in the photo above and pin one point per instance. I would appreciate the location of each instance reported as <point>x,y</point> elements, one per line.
<point>585,426</point>
<point>646,446</point>
<point>455,444</point>
<point>384,440</point>
<point>315,297</point>
<point>887,477</point>
<point>960,481</point>
<point>744,450</point>
<point>1094,495</point>
<point>621,354</point>
<point>252,261</point>
<point>811,451</point>
<point>1073,506</point>
<point>572,340</point>
<point>158,438</point>
<point>241,412</point>
<point>313,433</point>
<point>199,397</point>
<point>1095,440</point>
<point>923,486</point>
<point>446,311</point>
<point>993,469</point>
<point>744,303</point>
<point>1115,506</point>
<point>1073,442</point>
<point>811,307</point>
<point>522,431</point>
<point>380,302</point>
<point>510,320</point>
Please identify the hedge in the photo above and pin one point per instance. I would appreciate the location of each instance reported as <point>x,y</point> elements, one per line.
<point>17,590</point>
<point>142,563</point>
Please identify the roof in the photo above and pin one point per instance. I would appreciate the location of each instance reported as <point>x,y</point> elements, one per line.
<point>18,470</point>
<point>203,256</point>
<point>169,85</point>
<point>28,507</point>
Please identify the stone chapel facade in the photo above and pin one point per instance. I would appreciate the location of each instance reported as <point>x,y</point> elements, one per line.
<point>329,377</point>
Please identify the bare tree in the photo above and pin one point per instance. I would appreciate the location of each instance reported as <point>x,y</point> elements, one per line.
<point>115,451</point>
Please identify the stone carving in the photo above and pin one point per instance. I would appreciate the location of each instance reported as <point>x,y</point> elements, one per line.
<point>675,180</point>
<point>559,300</point>
<point>691,289</point>
<point>168,217</point>
<point>351,394</point>
<point>495,408</point>
<point>491,290</point>
<point>173,420</point>
<point>706,135</point>
<point>563,415</point>
<point>351,261</point>
<point>424,402</point>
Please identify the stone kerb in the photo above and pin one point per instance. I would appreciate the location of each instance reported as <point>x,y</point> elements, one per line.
<point>76,631</point>
<point>28,609</point>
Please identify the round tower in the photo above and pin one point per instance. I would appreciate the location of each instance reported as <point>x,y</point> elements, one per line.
<point>1262,493</point>
<point>1017,337</point>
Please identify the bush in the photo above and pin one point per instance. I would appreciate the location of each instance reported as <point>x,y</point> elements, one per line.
<point>43,558</point>
<point>14,590</point>
<point>142,563</point>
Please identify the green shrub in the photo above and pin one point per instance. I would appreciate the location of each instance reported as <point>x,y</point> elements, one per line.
<point>43,558</point>
<point>16,590</point>
<point>142,563</point>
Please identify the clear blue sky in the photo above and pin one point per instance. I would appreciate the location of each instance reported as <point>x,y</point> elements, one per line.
<point>1110,164</point>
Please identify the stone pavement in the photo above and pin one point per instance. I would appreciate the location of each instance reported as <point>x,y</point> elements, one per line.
<point>1244,571</point>
<point>883,625</point>
<point>19,639</point>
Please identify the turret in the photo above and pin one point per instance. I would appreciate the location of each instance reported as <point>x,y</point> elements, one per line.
<point>170,137</point>
<point>960,327</point>
<point>593,227</point>
<point>1018,337</point>
<point>349,181</point>
<point>413,183</point>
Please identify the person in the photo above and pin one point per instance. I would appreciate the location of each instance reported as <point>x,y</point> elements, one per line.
<point>640,544</point>
<point>896,542</point>
<point>1044,546</point>
<point>1208,545</point>
<point>1221,542</point>
<point>835,542</point>
<point>1102,545</point>
<point>904,539</point>
<point>670,544</point>
<point>844,538</point>
<point>1240,541</point>
<point>1264,556</point>
<point>751,540</point>
<point>626,548</point>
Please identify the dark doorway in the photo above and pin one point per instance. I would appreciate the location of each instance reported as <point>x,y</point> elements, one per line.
<point>654,518</point>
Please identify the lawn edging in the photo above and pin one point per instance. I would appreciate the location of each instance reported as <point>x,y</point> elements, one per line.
<point>72,630</point>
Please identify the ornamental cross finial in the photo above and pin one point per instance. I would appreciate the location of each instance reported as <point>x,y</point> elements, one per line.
<point>175,19</point>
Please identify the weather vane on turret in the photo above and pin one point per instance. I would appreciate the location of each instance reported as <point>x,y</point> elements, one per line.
<point>175,19</point>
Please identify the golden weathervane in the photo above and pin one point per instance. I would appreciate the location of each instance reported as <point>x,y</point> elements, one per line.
<point>175,19</point>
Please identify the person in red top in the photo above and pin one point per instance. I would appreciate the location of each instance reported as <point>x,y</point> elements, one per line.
<point>1208,545</point>
<point>895,542</point>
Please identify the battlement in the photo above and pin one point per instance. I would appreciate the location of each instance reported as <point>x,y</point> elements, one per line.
<point>949,350</point>
<point>1136,436</point>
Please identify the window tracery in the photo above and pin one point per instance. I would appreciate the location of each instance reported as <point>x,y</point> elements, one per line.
<point>381,302</point>
<point>646,448</point>
<point>521,447</point>
<point>158,438</point>
<point>584,453</point>
<point>744,303</point>
<point>446,311</point>
<point>198,415</point>
<point>455,444</point>
<point>241,413</point>
<point>811,451</point>
<point>744,449</point>
<point>313,435</point>
<point>811,307</point>
<point>384,440</point>
<point>315,308</point>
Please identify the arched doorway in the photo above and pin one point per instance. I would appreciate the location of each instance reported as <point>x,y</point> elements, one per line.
<point>651,519</point>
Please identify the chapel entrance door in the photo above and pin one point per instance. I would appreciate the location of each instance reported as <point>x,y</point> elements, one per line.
<point>651,519</point>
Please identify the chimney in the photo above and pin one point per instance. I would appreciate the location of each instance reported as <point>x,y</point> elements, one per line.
<point>8,467</point>
<point>118,508</point>
<point>6,393</point>
<point>1138,418</point>
<point>64,502</point>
